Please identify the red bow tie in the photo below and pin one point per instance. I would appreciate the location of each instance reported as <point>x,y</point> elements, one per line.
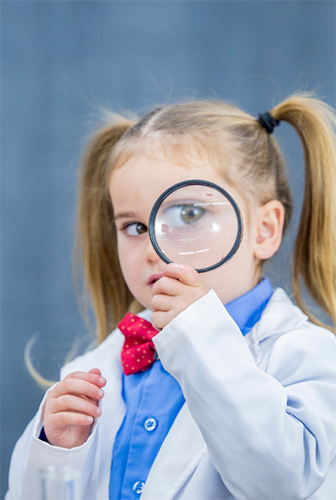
<point>138,349</point>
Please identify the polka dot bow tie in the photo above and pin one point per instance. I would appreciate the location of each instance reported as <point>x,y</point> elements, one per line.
<point>138,350</point>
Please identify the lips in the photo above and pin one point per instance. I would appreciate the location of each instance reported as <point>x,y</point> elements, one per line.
<point>153,279</point>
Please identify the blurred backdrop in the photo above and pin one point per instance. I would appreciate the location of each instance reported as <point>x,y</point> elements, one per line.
<point>63,62</point>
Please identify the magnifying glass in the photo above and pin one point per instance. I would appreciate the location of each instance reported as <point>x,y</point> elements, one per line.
<point>197,223</point>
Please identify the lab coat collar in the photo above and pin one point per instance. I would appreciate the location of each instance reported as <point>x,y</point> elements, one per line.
<point>279,316</point>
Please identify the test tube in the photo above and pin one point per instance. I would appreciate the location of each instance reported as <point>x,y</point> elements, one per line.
<point>59,483</point>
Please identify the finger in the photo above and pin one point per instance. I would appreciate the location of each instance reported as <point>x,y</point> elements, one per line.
<point>161,303</point>
<point>161,319</point>
<point>167,286</point>
<point>185,274</point>
<point>80,387</point>
<point>65,419</point>
<point>75,404</point>
<point>93,376</point>
<point>101,381</point>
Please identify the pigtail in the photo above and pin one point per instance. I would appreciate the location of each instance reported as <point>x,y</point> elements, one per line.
<point>95,243</point>
<point>314,259</point>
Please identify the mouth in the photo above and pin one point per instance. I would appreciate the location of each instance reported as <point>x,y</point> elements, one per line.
<point>153,279</point>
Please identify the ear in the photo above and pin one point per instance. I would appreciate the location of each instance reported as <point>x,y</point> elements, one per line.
<point>268,236</point>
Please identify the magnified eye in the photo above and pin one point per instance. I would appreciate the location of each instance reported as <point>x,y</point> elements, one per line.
<point>190,213</point>
<point>136,229</point>
<point>180,215</point>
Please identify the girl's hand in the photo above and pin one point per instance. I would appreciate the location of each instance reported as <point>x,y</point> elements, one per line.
<point>71,407</point>
<point>179,287</point>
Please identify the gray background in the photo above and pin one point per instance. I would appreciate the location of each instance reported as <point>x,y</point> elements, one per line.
<point>62,62</point>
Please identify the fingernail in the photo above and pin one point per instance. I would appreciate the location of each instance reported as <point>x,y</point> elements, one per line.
<point>101,392</point>
<point>89,420</point>
<point>181,266</point>
<point>98,411</point>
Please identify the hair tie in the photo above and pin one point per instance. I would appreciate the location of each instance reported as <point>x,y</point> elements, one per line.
<point>267,121</point>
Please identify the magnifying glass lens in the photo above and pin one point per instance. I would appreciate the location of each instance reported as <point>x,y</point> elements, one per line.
<point>197,225</point>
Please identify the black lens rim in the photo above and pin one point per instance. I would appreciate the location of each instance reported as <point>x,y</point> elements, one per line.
<point>195,182</point>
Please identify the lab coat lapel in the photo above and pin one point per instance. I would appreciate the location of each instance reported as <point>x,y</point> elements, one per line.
<point>178,457</point>
<point>106,357</point>
<point>113,411</point>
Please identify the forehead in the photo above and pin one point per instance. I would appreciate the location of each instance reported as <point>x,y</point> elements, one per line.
<point>135,186</point>
<point>147,176</point>
<point>145,169</point>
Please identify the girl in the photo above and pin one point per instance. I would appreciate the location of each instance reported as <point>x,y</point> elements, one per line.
<point>241,403</point>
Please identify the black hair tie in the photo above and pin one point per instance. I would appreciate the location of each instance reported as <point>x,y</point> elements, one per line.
<point>267,121</point>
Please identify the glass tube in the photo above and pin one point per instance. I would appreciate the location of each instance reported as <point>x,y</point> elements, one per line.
<point>59,483</point>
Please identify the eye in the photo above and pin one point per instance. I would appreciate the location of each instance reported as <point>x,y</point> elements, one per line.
<point>190,213</point>
<point>135,229</point>
<point>179,215</point>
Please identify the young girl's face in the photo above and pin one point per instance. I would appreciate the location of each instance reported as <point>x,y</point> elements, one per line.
<point>134,188</point>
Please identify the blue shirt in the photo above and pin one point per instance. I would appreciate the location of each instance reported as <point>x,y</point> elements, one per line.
<point>154,398</point>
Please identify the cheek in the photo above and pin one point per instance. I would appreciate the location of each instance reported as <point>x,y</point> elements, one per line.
<point>129,262</point>
<point>236,276</point>
<point>125,257</point>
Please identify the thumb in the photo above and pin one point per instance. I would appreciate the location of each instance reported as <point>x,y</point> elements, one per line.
<point>95,371</point>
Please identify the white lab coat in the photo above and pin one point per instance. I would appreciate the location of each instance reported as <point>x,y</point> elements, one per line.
<point>259,420</point>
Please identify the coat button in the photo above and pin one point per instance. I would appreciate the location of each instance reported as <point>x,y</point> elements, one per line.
<point>138,487</point>
<point>150,424</point>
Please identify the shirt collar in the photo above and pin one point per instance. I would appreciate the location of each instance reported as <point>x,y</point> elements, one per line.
<point>246,310</point>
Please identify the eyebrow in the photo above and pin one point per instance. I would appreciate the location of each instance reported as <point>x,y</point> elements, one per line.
<point>123,215</point>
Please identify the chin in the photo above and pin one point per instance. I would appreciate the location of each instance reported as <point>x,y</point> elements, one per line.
<point>141,303</point>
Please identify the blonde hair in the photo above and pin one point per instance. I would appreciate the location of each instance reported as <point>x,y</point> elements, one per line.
<point>250,159</point>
